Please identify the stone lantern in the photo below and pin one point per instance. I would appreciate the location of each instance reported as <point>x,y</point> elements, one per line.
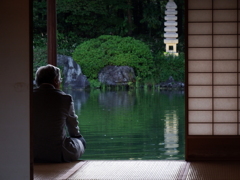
<point>170,29</point>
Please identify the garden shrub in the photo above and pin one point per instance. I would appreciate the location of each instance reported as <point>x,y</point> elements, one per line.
<point>94,54</point>
<point>168,65</point>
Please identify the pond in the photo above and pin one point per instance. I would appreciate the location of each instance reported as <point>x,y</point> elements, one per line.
<point>131,125</point>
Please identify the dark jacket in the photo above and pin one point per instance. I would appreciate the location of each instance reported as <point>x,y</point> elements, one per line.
<point>54,121</point>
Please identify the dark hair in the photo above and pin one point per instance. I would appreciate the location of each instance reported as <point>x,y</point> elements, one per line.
<point>46,74</point>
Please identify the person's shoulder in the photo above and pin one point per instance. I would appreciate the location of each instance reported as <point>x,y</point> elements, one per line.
<point>63,94</point>
<point>35,89</point>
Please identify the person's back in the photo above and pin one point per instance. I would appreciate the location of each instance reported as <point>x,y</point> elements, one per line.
<point>56,133</point>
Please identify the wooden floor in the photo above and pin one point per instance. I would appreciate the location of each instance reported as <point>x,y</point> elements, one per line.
<point>140,170</point>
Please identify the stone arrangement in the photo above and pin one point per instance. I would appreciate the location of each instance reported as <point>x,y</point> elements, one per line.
<point>72,73</point>
<point>116,75</point>
<point>170,29</point>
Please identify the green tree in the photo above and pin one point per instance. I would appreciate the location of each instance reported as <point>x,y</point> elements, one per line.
<point>81,20</point>
<point>39,22</point>
<point>85,19</point>
<point>91,18</point>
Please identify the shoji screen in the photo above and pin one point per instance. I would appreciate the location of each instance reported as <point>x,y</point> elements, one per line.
<point>213,78</point>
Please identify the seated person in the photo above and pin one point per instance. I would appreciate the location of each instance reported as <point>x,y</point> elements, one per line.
<point>56,132</point>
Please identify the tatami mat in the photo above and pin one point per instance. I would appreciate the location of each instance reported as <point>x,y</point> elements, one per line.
<point>106,170</point>
<point>139,170</point>
<point>214,171</point>
<point>52,171</point>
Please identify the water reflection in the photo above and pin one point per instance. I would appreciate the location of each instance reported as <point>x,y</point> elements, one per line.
<point>79,96</point>
<point>171,133</point>
<point>115,99</point>
<point>131,124</point>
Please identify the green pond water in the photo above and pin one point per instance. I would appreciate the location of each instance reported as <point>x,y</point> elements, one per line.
<point>131,125</point>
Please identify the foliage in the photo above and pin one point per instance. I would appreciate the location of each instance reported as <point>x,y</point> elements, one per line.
<point>79,20</point>
<point>169,65</point>
<point>155,44</point>
<point>39,58</point>
<point>152,18</point>
<point>67,44</point>
<point>39,17</point>
<point>91,18</point>
<point>94,83</point>
<point>95,54</point>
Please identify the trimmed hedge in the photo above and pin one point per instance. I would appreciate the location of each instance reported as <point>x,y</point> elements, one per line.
<point>94,54</point>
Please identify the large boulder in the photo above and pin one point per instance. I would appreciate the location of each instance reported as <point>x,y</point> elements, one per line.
<point>72,73</point>
<point>116,75</point>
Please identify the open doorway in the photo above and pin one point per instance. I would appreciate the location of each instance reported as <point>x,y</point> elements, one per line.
<point>142,119</point>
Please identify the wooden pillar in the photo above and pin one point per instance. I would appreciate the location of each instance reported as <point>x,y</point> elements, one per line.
<point>51,32</point>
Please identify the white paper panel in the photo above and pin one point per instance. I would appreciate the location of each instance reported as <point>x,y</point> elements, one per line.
<point>224,4</point>
<point>225,103</point>
<point>200,41</point>
<point>200,116</point>
<point>200,53</point>
<point>200,66</point>
<point>200,91</point>
<point>225,53</point>
<point>225,91</point>
<point>225,15</point>
<point>200,79</point>
<point>225,66</point>
<point>200,28</point>
<point>197,4</point>
<point>200,129</point>
<point>225,28</point>
<point>200,15</point>
<point>225,78</point>
<point>225,129</point>
<point>213,78</point>
<point>225,116</point>
<point>225,40</point>
<point>200,103</point>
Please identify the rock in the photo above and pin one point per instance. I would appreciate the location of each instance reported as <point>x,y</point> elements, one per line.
<point>81,82</point>
<point>72,72</point>
<point>116,75</point>
<point>170,83</point>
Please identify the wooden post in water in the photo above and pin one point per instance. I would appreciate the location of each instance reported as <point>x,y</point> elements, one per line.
<point>51,32</point>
